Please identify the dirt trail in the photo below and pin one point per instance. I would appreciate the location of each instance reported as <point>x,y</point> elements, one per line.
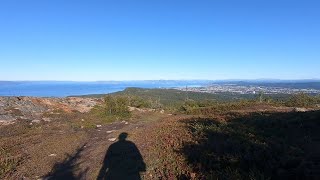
<point>86,162</point>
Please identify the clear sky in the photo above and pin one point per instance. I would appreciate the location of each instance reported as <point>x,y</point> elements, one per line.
<point>88,40</point>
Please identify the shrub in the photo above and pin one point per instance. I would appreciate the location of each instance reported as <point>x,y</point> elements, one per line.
<point>139,102</point>
<point>8,163</point>
<point>116,106</point>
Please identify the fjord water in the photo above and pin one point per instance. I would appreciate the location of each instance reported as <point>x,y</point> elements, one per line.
<point>63,89</point>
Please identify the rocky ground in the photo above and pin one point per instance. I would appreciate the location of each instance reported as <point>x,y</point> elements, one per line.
<point>13,109</point>
<point>47,138</point>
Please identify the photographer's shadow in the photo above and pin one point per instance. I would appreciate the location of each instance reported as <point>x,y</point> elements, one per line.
<point>122,161</point>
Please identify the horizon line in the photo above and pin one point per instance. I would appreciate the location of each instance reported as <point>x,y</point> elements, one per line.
<point>258,79</point>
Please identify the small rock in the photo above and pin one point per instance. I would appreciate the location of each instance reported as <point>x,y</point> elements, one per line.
<point>4,123</point>
<point>112,139</point>
<point>162,111</point>
<point>52,155</point>
<point>46,119</point>
<point>300,110</point>
<point>126,123</point>
<point>193,175</point>
<point>82,127</point>
<point>109,132</point>
<point>82,120</point>
<point>131,108</point>
<point>99,126</point>
<point>35,121</point>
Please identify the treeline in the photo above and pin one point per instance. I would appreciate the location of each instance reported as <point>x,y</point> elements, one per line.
<point>115,106</point>
<point>208,107</point>
<point>303,100</point>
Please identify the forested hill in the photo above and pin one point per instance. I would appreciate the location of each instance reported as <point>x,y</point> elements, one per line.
<point>172,96</point>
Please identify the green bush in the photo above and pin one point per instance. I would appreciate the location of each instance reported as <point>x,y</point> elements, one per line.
<point>139,102</point>
<point>116,106</point>
<point>113,107</point>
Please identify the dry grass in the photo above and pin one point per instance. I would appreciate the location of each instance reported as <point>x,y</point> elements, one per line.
<point>35,143</point>
<point>8,162</point>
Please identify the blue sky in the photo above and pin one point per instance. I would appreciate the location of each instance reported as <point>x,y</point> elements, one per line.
<point>159,39</point>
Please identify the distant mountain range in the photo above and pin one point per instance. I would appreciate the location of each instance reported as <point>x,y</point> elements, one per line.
<point>175,80</point>
<point>235,81</point>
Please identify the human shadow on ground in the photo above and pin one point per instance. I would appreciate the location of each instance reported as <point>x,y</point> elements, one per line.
<point>122,161</point>
<point>66,170</point>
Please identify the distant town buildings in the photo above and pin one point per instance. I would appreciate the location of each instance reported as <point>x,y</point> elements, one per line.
<point>250,89</point>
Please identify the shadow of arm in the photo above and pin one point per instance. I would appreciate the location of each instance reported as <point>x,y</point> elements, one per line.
<point>105,166</point>
<point>141,164</point>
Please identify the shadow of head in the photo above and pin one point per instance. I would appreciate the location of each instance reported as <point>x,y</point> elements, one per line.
<point>123,136</point>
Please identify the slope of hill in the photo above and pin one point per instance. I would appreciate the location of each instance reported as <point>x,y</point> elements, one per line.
<point>172,96</point>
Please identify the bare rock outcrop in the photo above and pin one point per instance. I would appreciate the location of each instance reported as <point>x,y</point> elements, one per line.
<point>33,108</point>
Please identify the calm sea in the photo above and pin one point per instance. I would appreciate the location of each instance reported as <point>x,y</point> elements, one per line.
<point>63,89</point>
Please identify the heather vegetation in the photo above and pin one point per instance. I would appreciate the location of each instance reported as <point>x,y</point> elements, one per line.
<point>8,163</point>
<point>303,100</point>
<point>207,107</point>
<point>255,146</point>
